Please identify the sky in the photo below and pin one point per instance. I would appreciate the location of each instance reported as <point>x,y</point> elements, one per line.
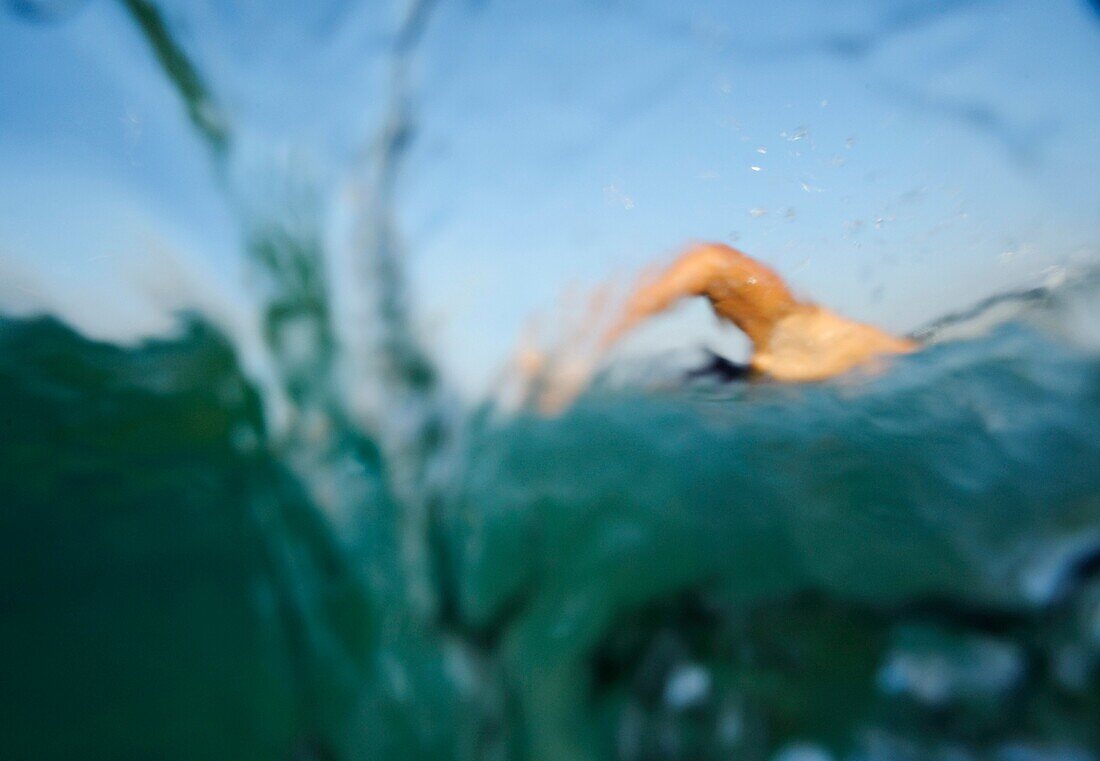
<point>896,159</point>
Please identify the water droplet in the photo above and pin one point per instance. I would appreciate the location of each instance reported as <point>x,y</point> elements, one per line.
<point>754,168</point>
<point>793,137</point>
<point>687,686</point>
<point>613,195</point>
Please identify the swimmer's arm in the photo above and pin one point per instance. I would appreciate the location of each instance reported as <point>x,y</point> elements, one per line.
<point>739,288</point>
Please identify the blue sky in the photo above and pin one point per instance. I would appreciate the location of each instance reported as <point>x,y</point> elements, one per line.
<point>896,159</point>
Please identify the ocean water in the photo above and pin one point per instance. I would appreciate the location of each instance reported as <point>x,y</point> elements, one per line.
<point>285,535</point>
<point>895,566</point>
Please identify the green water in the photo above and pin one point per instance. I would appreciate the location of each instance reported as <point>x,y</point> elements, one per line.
<point>895,567</point>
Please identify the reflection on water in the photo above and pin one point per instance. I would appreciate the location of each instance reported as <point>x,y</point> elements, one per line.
<point>281,535</point>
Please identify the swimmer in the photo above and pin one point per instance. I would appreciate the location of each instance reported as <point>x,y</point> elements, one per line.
<point>792,340</point>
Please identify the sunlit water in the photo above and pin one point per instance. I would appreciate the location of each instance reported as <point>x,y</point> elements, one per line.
<point>276,532</point>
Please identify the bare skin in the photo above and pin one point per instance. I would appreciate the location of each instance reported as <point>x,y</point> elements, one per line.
<point>792,340</point>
